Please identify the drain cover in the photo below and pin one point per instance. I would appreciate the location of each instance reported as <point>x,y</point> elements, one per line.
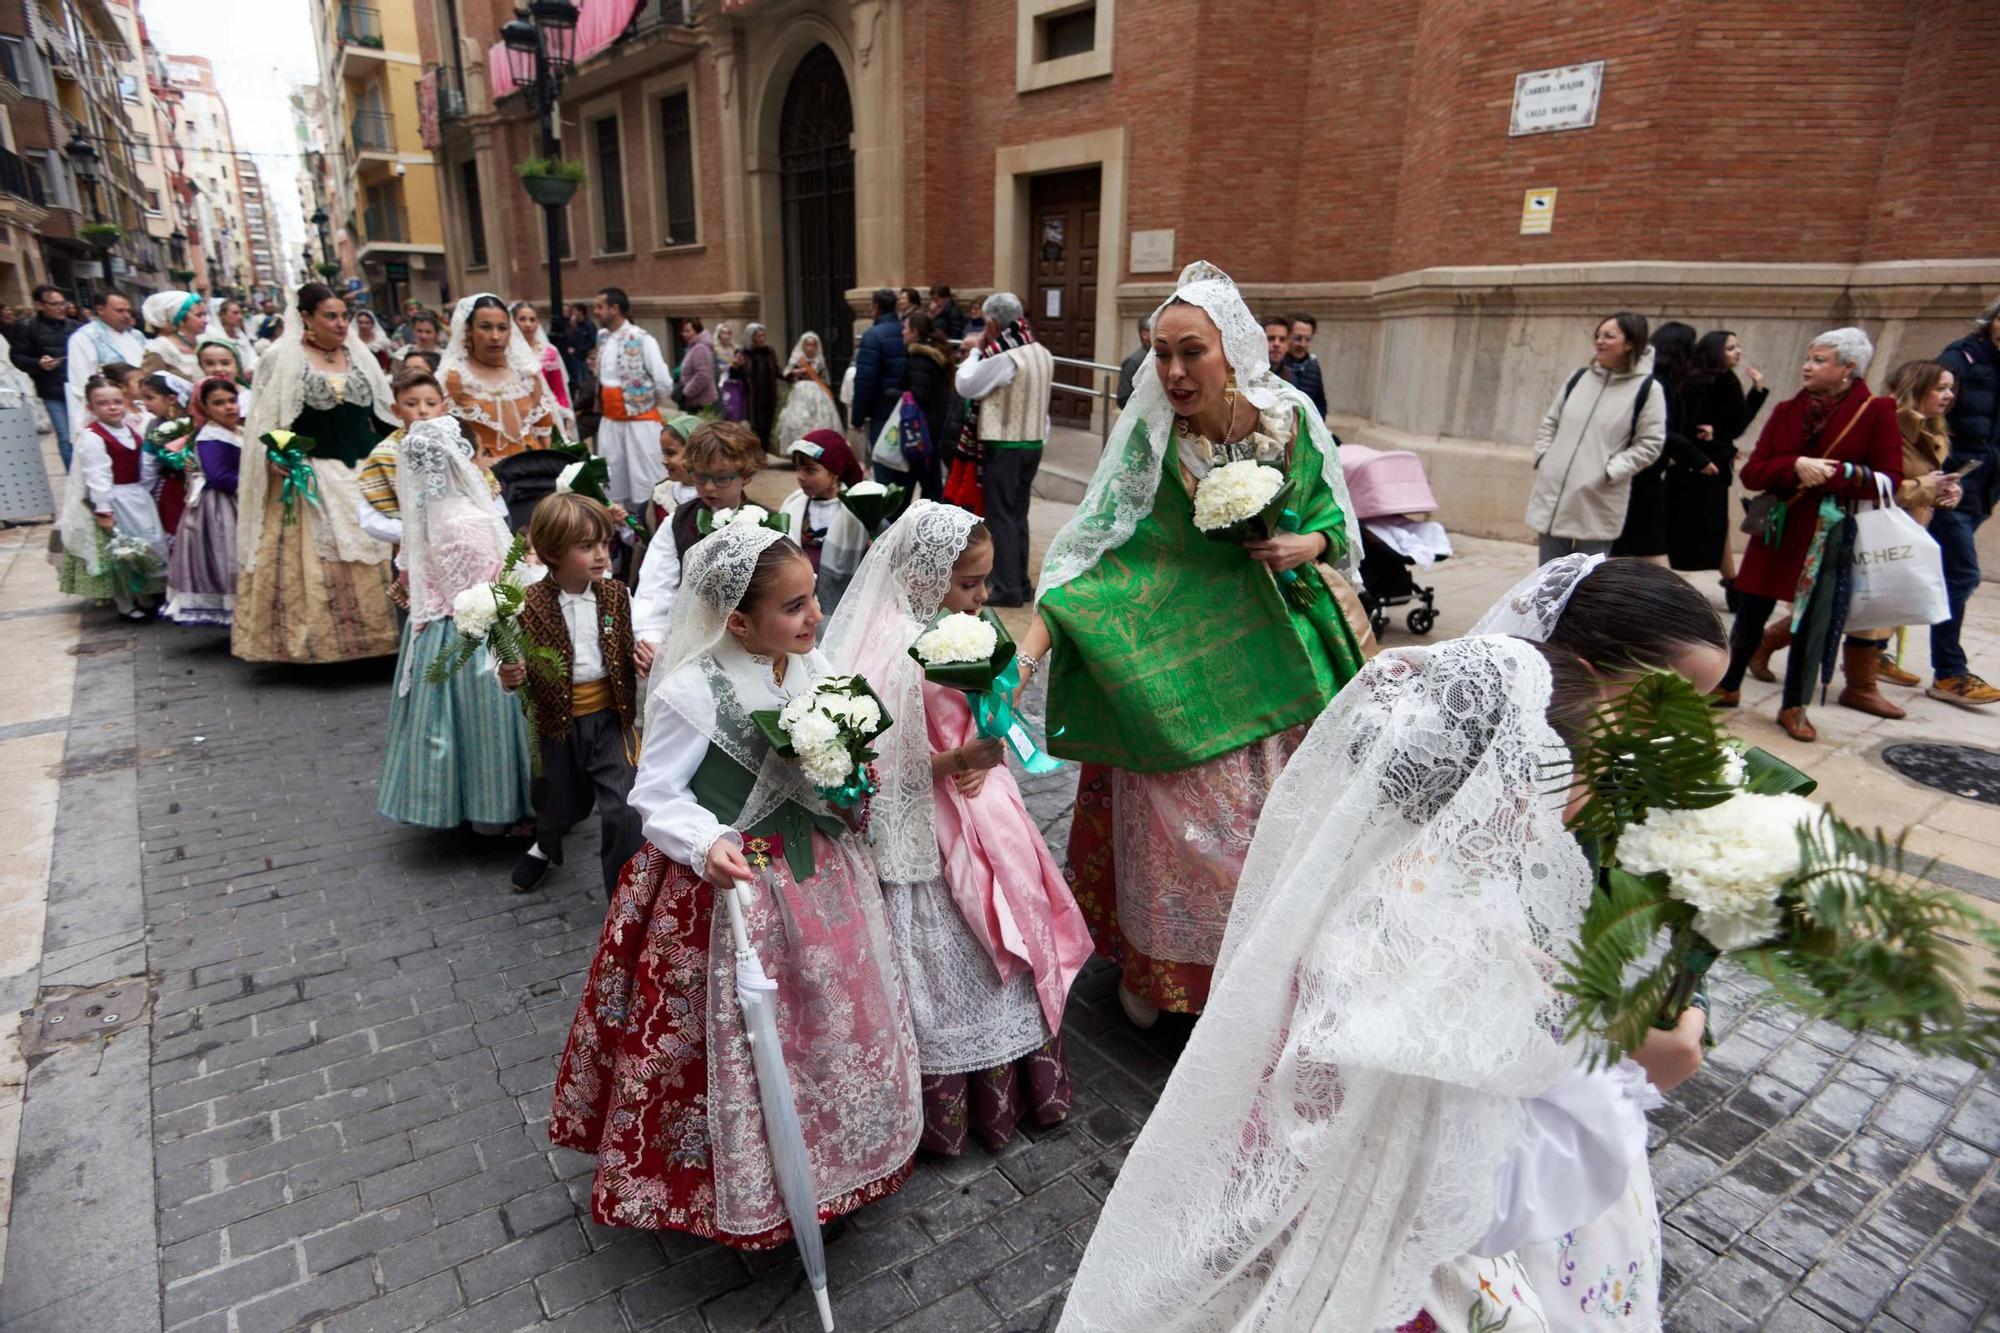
<point>1962,770</point>
<point>69,1014</point>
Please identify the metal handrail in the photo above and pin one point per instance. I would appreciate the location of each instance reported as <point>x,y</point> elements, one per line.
<point>1108,393</point>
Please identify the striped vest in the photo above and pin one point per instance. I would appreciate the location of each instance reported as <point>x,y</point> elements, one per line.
<point>1020,410</point>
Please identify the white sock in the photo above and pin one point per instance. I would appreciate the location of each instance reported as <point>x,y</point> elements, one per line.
<point>535,850</point>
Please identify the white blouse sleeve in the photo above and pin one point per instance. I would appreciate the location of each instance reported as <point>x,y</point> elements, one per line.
<point>94,462</point>
<point>1574,1159</point>
<point>982,374</point>
<point>680,826</point>
<point>378,524</point>
<point>659,584</point>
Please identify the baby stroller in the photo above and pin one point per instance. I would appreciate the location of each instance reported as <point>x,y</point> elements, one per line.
<point>1393,499</point>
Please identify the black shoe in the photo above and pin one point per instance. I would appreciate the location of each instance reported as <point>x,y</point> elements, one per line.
<point>529,872</point>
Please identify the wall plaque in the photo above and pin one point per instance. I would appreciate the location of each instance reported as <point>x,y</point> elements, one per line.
<point>1556,99</point>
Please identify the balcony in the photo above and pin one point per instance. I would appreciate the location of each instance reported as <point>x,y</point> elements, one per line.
<point>11,88</point>
<point>22,199</point>
<point>440,100</point>
<point>385,224</point>
<point>359,33</point>
<point>373,133</point>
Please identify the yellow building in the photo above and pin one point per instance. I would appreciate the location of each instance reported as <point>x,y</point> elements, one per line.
<point>388,237</point>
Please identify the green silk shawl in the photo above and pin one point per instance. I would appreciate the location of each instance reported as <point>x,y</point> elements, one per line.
<point>1174,649</point>
<point>723,787</point>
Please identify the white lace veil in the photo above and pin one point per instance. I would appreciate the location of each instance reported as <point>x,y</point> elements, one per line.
<point>276,404</point>
<point>1383,1003</point>
<point>800,359</point>
<point>521,358</point>
<point>685,679</point>
<point>452,539</point>
<point>900,585</point>
<point>1532,607</point>
<point>1128,474</point>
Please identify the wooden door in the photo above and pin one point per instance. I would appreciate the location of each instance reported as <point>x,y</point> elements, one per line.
<point>1062,298</point>
<point>816,166</point>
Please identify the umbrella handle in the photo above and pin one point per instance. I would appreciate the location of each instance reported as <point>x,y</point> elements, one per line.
<point>737,895</point>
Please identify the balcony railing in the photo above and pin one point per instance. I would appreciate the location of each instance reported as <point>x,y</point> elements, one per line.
<point>386,222</point>
<point>374,131</point>
<point>16,179</point>
<point>361,26</point>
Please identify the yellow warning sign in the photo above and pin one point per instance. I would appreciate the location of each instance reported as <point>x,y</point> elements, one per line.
<point>1538,212</point>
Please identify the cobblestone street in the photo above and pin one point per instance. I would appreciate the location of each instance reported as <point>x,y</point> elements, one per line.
<point>355,1029</point>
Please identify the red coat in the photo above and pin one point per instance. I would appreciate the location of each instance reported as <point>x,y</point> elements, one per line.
<point>1874,440</point>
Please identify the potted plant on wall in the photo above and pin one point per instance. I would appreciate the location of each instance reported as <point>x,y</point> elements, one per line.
<point>329,269</point>
<point>103,235</point>
<point>180,275</point>
<point>550,181</point>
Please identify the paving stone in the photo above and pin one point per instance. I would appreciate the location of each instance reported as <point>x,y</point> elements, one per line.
<point>231,1285</point>
<point>445,1247</point>
<point>367,1234</point>
<point>283,1226</point>
<point>309,1302</point>
<point>521,1261</point>
<point>414,1306</point>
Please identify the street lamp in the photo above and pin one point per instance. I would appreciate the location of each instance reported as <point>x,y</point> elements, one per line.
<point>541,49</point>
<point>320,219</point>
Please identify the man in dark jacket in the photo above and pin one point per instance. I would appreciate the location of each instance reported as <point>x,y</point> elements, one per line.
<point>1129,367</point>
<point>945,314</point>
<point>1974,420</point>
<point>1301,366</point>
<point>878,368</point>
<point>39,345</point>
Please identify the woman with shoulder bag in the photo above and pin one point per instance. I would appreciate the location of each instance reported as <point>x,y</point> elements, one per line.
<point>1818,455</point>
<point>1606,424</point>
<point>1924,391</point>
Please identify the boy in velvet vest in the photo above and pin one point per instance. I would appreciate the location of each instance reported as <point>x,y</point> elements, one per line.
<point>585,712</point>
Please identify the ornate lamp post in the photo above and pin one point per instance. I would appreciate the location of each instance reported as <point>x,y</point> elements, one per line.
<point>541,49</point>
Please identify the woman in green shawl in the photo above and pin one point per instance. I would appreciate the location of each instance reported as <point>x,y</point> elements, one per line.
<point>1186,670</point>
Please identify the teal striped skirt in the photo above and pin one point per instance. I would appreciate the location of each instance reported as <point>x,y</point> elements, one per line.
<point>458,752</point>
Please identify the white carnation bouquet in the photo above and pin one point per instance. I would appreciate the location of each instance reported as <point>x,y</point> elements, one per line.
<point>828,731</point>
<point>954,638</point>
<point>746,515</point>
<point>135,562</point>
<point>1719,848</point>
<point>875,505</point>
<point>1246,501</point>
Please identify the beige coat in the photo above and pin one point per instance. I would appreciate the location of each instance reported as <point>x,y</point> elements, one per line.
<point>1925,443</point>
<point>1587,451</point>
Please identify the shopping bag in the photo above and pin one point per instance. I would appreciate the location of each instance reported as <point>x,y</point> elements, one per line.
<point>1898,568</point>
<point>888,450</point>
<point>915,437</point>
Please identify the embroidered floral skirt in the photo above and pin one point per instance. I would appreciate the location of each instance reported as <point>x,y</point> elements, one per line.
<point>1154,859</point>
<point>657,1080</point>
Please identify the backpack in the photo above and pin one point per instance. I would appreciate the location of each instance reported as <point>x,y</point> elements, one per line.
<point>1638,401</point>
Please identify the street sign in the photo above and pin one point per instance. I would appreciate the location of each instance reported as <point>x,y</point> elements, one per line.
<point>1538,212</point>
<point>1556,99</point>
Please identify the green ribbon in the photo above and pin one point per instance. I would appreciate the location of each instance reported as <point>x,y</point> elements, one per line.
<point>300,481</point>
<point>1301,593</point>
<point>850,793</point>
<point>993,711</point>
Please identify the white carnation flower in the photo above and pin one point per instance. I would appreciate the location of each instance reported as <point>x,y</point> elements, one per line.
<point>474,611</point>
<point>826,765</point>
<point>1735,769</point>
<point>1234,492</point>
<point>957,638</point>
<point>748,515</point>
<point>566,479</point>
<point>1728,861</point>
<point>795,708</point>
<point>866,488</point>
<point>813,730</point>
<point>663,494</point>
<point>862,713</point>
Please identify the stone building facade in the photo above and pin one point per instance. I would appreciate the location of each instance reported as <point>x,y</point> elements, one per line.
<point>1770,168</point>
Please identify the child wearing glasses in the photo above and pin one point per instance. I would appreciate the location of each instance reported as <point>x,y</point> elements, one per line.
<point>721,456</point>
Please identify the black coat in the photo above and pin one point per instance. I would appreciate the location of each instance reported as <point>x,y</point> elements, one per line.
<point>1305,377</point>
<point>1974,420</point>
<point>878,373</point>
<point>929,381</point>
<point>1698,505</point>
<point>38,336</point>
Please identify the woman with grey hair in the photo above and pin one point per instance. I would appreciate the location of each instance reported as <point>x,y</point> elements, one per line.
<point>1009,376</point>
<point>1820,452</point>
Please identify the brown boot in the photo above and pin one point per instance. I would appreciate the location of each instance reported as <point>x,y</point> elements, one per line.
<point>1861,661</point>
<point>1775,637</point>
<point>1888,669</point>
<point>1793,720</point>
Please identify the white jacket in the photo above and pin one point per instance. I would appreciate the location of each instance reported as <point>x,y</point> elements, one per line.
<point>1588,449</point>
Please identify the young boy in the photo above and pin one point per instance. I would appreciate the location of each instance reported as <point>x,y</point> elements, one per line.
<point>418,398</point>
<point>721,457</point>
<point>584,716</point>
<point>832,537</point>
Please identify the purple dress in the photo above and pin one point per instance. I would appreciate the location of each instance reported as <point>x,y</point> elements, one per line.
<point>201,572</point>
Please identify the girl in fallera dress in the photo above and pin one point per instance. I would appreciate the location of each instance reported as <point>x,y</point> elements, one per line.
<point>985,930</point>
<point>109,494</point>
<point>458,751</point>
<point>721,456</point>
<point>674,491</point>
<point>657,1078</point>
<point>164,401</point>
<point>832,537</point>
<point>201,572</point>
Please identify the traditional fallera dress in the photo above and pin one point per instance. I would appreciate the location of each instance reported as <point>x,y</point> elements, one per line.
<point>457,751</point>
<point>632,383</point>
<point>657,1079</point>
<point>315,589</point>
<point>986,932</point>
<point>1183,679</point>
<point>201,573</point>
<point>110,473</point>
<point>808,404</point>
<point>503,419</point>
